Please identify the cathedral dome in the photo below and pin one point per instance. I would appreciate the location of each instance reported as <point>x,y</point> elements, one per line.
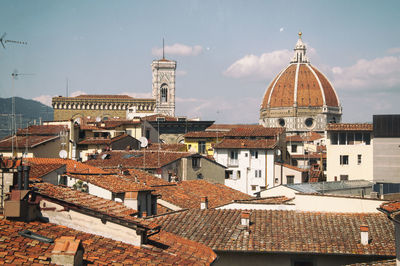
<point>300,84</point>
<point>300,97</point>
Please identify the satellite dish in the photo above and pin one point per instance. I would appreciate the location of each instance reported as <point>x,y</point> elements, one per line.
<point>98,119</point>
<point>143,142</point>
<point>278,152</point>
<point>78,120</point>
<point>63,154</point>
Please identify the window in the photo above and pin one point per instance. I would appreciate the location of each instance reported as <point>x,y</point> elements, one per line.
<point>289,179</point>
<point>234,155</point>
<point>367,138</point>
<point>228,174</point>
<point>294,148</point>
<point>164,93</point>
<point>201,147</point>
<point>359,159</point>
<point>342,138</point>
<point>253,187</point>
<point>246,154</point>
<point>238,174</point>
<point>254,154</point>
<point>199,176</point>
<point>334,138</point>
<point>350,138</point>
<point>195,162</point>
<point>257,173</point>
<point>147,133</point>
<point>344,177</point>
<point>358,138</point>
<point>344,159</point>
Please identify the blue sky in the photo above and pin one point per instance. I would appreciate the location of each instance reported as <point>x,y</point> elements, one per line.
<point>227,51</point>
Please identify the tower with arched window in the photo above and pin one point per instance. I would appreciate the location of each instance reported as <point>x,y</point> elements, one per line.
<point>164,86</point>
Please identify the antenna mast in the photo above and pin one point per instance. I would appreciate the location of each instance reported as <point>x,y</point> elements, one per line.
<point>163,55</point>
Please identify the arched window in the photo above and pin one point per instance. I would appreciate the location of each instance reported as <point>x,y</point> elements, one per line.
<point>164,93</point>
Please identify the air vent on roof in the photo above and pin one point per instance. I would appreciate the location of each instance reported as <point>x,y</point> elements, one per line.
<point>105,156</point>
<point>30,234</point>
<point>127,156</point>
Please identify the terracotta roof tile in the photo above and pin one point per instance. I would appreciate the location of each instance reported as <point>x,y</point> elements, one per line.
<point>228,127</point>
<point>293,167</point>
<point>259,131</point>
<point>167,147</point>
<point>142,177</point>
<point>103,96</point>
<point>38,171</point>
<point>246,144</point>
<point>154,117</point>
<point>349,127</point>
<point>113,183</point>
<point>187,194</point>
<point>266,200</point>
<point>284,231</point>
<point>94,203</point>
<point>42,130</point>
<point>297,138</point>
<point>391,207</point>
<point>72,166</point>
<point>137,159</point>
<point>163,248</point>
<point>104,141</point>
<point>22,141</point>
<point>206,134</point>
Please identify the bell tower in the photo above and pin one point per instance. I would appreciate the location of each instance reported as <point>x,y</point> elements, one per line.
<point>163,71</point>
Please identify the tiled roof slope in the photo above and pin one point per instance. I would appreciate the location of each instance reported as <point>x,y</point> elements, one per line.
<point>104,141</point>
<point>266,200</point>
<point>38,171</point>
<point>297,138</point>
<point>88,201</point>
<point>42,130</point>
<point>154,117</point>
<point>259,131</point>
<point>205,134</point>
<point>144,178</point>
<point>113,183</point>
<point>246,144</point>
<point>292,167</point>
<point>227,127</point>
<point>162,249</point>
<point>167,147</point>
<point>391,207</point>
<point>349,127</point>
<point>101,96</point>
<point>137,159</point>
<point>187,194</point>
<point>284,231</point>
<point>22,141</point>
<point>376,263</point>
<point>72,166</point>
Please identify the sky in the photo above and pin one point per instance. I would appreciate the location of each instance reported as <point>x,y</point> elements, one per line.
<point>227,52</point>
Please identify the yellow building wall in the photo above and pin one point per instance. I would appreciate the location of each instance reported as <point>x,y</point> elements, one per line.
<point>192,145</point>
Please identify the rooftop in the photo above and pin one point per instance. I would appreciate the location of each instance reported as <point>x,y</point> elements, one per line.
<point>42,130</point>
<point>298,138</point>
<point>25,141</point>
<point>137,159</point>
<point>163,248</point>
<point>321,187</point>
<point>206,134</point>
<point>72,166</point>
<point>284,231</point>
<point>187,194</point>
<point>349,127</point>
<point>227,127</point>
<point>259,131</point>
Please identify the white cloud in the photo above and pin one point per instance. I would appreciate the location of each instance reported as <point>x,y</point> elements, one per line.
<point>265,66</point>
<point>394,50</point>
<point>281,29</point>
<point>77,93</point>
<point>221,110</point>
<point>181,73</point>
<point>44,99</point>
<point>382,72</point>
<point>178,49</point>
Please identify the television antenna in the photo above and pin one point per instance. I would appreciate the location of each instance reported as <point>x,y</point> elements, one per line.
<point>3,41</point>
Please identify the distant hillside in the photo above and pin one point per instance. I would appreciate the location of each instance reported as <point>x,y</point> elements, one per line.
<point>29,111</point>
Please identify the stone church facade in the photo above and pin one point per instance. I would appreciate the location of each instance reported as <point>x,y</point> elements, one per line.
<point>124,106</point>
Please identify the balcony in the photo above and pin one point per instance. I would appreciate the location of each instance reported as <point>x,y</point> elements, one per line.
<point>233,162</point>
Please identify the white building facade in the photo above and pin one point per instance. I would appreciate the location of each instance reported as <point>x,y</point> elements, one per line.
<point>248,170</point>
<point>349,152</point>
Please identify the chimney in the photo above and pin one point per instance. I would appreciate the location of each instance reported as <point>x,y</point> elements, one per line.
<point>204,203</point>
<point>144,214</point>
<point>26,169</point>
<point>67,251</point>
<point>364,234</point>
<point>19,180</point>
<point>245,218</point>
